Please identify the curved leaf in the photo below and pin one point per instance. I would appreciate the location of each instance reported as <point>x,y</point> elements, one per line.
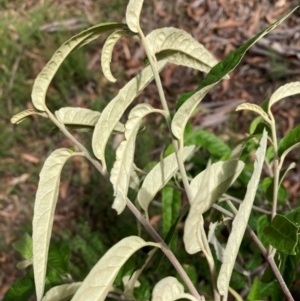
<point>44,78</point>
<point>45,203</point>
<point>24,114</point>
<point>115,109</point>
<point>82,117</point>
<point>122,169</point>
<point>62,292</point>
<point>189,101</point>
<point>100,279</point>
<point>290,141</point>
<point>241,220</point>
<point>159,176</point>
<point>255,108</point>
<point>133,12</point>
<point>179,47</point>
<point>107,52</point>
<point>284,91</point>
<point>206,188</point>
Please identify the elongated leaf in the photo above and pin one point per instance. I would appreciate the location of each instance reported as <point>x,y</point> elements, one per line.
<point>82,117</point>
<point>45,203</point>
<point>24,246</point>
<point>190,101</point>
<point>62,292</point>
<point>284,91</point>
<point>282,234</point>
<point>43,80</point>
<point>206,188</point>
<point>255,108</point>
<point>237,151</point>
<point>107,52</point>
<point>159,176</point>
<point>290,141</point>
<point>122,169</point>
<point>115,109</point>
<point>100,279</point>
<point>24,114</point>
<point>241,220</point>
<point>133,12</point>
<point>179,47</point>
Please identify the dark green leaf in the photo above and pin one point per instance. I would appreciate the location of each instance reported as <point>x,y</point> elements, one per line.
<point>282,234</point>
<point>289,141</point>
<point>262,223</point>
<point>24,246</point>
<point>268,184</point>
<point>294,216</point>
<point>59,257</point>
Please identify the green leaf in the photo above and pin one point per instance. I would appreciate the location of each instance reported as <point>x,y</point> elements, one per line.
<point>289,141</point>
<point>282,234</point>
<point>24,246</point>
<point>240,221</point>
<point>44,207</point>
<point>16,119</point>
<point>294,216</point>
<point>59,257</point>
<point>267,185</point>
<point>258,125</point>
<point>191,100</point>
<point>22,289</point>
<point>237,151</point>
<point>262,223</point>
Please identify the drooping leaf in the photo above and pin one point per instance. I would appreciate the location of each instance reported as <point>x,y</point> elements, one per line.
<point>159,176</point>
<point>285,171</point>
<point>190,101</point>
<point>82,117</point>
<point>62,292</point>
<point>115,109</point>
<point>122,169</point>
<point>284,91</point>
<point>255,108</point>
<point>290,141</point>
<point>107,52</point>
<point>24,246</point>
<point>282,234</point>
<point>45,203</point>
<point>16,119</point>
<point>133,12</point>
<point>206,187</point>
<point>44,78</point>
<point>180,48</point>
<point>241,220</point>
<point>59,257</point>
<point>100,279</point>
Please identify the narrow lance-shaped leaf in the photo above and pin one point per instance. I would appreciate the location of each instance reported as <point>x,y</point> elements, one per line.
<point>290,141</point>
<point>44,207</point>
<point>180,48</point>
<point>254,108</point>
<point>82,117</point>
<point>24,114</point>
<point>107,52</point>
<point>284,91</point>
<point>190,101</point>
<point>241,220</point>
<point>133,12</point>
<point>116,108</point>
<point>159,176</point>
<point>206,188</point>
<point>122,169</point>
<point>98,282</point>
<point>62,292</point>
<point>44,78</point>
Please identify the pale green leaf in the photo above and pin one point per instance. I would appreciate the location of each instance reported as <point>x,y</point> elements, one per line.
<point>99,281</point>
<point>179,47</point>
<point>24,246</point>
<point>82,117</point>
<point>62,292</point>
<point>284,91</point>
<point>24,114</point>
<point>206,188</point>
<point>44,78</point>
<point>133,12</point>
<point>24,264</point>
<point>134,182</point>
<point>115,109</point>
<point>44,207</point>
<point>255,108</point>
<point>122,169</point>
<point>241,220</point>
<point>159,176</point>
<point>107,52</point>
